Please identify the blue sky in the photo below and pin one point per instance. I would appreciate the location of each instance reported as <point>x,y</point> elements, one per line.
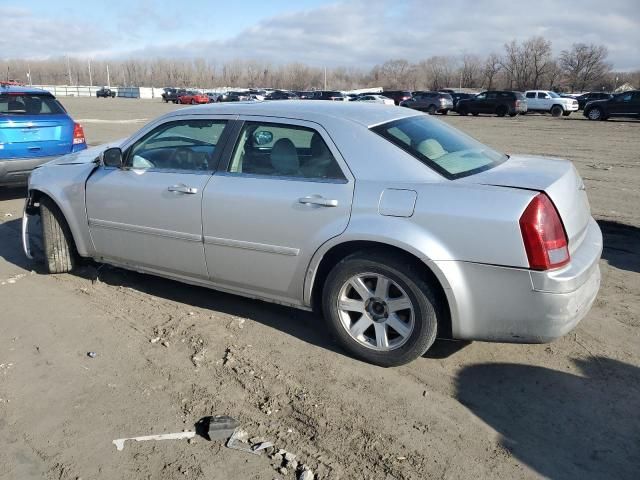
<point>357,33</point>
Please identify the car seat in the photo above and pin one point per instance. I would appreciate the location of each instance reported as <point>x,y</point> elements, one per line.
<point>284,159</point>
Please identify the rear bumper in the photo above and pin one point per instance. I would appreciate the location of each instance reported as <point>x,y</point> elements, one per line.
<point>15,171</point>
<point>515,305</point>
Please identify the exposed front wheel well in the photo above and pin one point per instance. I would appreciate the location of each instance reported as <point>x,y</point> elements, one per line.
<point>33,208</point>
<point>343,250</point>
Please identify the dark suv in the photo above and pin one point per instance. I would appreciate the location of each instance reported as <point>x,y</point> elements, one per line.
<point>172,94</point>
<point>497,102</point>
<point>590,97</point>
<point>626,104</point>
<point>326,95</point>
<point>431,102</point>
<point>106,92</point>
<point>397,95</point>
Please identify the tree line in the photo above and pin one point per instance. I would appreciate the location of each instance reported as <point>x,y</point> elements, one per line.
<point>529,64</point>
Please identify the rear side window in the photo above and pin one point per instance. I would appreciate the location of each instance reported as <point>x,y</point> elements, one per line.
<point>531,94</point>
<point>439,146</point>
<point>29,104</point>
<point>280,150</point>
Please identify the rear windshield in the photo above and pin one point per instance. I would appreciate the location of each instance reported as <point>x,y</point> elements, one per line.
<point>443,148</point>
<point>29,104</point>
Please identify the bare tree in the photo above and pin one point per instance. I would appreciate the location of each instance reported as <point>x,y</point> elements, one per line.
<point>470,71</point>
<point>394,73</point>
<point>539,61</point>
<point>584,65</point>
<point>492,67</point>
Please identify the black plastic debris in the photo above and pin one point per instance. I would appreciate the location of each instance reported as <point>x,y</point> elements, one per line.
<point>219,427</point>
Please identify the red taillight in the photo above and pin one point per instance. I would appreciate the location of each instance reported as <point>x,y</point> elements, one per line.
<point>543,234</point>
<point>78,134</point>
<point>517,103</point>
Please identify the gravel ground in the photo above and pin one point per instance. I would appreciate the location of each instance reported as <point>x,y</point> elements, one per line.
<point>168,354</point>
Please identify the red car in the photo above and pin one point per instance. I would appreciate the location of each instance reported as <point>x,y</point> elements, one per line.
<point>193,98</point>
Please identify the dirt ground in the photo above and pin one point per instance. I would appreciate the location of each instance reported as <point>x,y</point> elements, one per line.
<point>168,354</point>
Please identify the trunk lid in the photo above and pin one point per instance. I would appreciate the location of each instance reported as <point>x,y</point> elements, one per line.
<point>557,178</point>
<point>35,135</point>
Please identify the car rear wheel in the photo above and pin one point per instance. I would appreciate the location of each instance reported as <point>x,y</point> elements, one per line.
<point>380,308</point>
<point>556,111</point>
<point>444,112</point>
<point>595,113</point>
<point>193,102</point>
<point>59,250</point>
<point>513,114</point>
<point>431,110</point>
<point>501,111</point>
<point>464,111</point>
<point>475,114</point>
<point>566,114</point>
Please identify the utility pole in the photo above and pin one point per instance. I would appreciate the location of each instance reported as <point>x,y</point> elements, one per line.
<point>69,69</point>
<point>325,78</point>
<point>108,79</point>
<point>29,75</point>
<point>90,78</point>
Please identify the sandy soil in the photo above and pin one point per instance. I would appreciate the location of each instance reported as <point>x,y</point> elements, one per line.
<point>169,354</point>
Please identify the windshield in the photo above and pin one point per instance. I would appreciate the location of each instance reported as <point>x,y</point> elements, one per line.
<point>553,95</point>
<point>29,104</point>
<point>443,148</point>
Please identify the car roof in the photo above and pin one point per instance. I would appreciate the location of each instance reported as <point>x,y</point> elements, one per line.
<point>312,110</point>
<point>22,89</point>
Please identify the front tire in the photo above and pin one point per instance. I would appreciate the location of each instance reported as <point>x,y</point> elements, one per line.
<point>556,111</point>
<point>566,114</point>
<point>595,113</point>
<point>464,111</point>
<point>380,308</point>
<point>59,250</point>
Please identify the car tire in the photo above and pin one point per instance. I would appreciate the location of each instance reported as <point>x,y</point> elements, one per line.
<point>416,324</point>
<point>566,114</point>
<point>513,114</point>
<point>193,102</point>
<point>57,241</point>
<point>595,113</point>
<point>464,111</point>
<point>501,111</point>
<point>444,112</point>
<point>556,111</point>
<point>431,110</point>
<point>475,114</point>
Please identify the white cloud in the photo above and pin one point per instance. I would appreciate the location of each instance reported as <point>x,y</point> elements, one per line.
<point>350,33</point>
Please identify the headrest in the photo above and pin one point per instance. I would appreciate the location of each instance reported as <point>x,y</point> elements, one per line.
<point>284,157</point>
<point>431,149</point>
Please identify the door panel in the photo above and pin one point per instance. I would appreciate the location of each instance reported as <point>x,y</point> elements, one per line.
<point>276,205</point>
<point>149,213</point>
<point>134,218</point>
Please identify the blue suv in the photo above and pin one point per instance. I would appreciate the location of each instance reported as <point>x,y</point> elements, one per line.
<point>34,128</point>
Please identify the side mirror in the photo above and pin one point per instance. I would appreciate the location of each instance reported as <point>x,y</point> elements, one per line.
<point>263,137</point>
<point>112,157</point>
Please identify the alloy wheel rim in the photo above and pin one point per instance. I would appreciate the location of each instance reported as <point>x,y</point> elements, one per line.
<point>594,114</point>
<point>375,311</point>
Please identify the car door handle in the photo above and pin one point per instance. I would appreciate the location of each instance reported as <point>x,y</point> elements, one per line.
<point>182,189</point>
<point>318,200</point>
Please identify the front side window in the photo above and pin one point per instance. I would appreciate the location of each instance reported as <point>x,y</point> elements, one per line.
<point>439,146</point>
<point>280,150</point>
<point>623,97</point>
<point>542,95</point>
<point>181,145</point>
<point>29,104</point>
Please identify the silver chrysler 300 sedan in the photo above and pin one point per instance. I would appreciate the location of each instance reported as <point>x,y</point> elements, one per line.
<point>397,227</point>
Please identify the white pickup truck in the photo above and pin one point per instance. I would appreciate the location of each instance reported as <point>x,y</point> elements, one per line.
<point>547,101</point>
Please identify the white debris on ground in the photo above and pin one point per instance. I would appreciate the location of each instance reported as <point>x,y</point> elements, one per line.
<point>13,279</point>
